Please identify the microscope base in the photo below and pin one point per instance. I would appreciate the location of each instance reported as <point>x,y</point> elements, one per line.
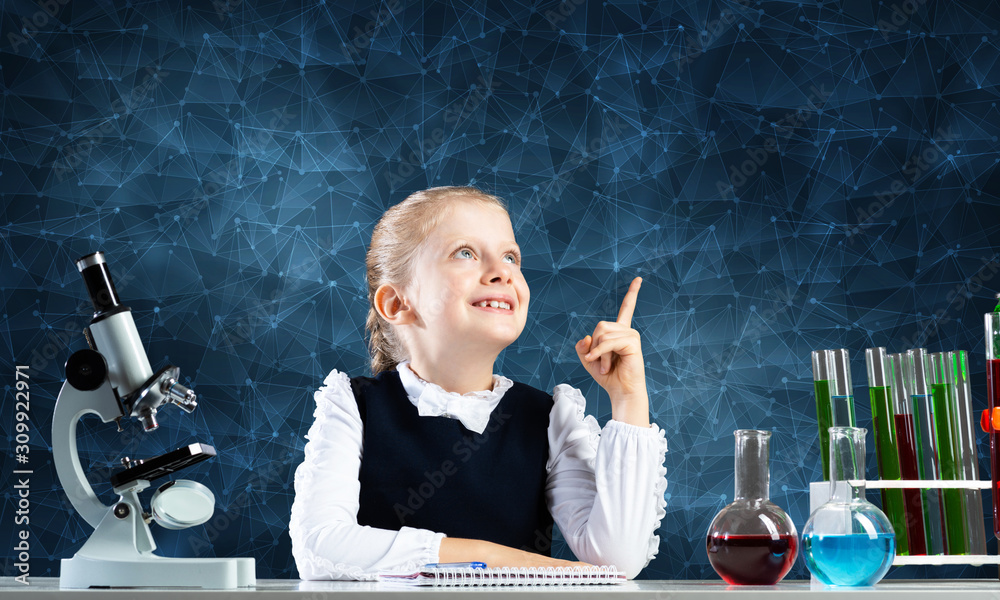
<point>120,554</point>
<point>157,571</point>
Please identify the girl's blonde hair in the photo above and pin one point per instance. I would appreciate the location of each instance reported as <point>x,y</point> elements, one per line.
<point>395,240</point>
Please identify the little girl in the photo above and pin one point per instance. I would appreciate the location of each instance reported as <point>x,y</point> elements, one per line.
<point>438,459</point>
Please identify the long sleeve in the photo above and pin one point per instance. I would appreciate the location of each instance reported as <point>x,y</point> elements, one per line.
<point>327,542</point>
<point>605,490</point>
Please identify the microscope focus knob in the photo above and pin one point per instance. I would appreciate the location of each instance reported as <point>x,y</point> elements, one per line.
<point>121,510</point>
<point>86,370</point>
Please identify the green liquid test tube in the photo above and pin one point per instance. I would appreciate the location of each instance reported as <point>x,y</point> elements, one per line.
<point>834,397</point>
<point>885,444</point>
<point>943,392</point>
<point>824,417</point>
<point>968,457</point>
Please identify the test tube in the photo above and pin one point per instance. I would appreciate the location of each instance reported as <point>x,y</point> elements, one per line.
<point>906,446</point>
<point>968,455</point>
<point>917,372</point>
<point>841,389</point>
<point>824,418</point>
<point>886,452</point>
<point>993,399</point>
<point>942,384</point>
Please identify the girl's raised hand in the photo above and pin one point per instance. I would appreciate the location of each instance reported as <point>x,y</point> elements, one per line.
<point>613,354</point>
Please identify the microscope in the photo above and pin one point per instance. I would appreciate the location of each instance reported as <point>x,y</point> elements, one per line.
<point>113,379</point>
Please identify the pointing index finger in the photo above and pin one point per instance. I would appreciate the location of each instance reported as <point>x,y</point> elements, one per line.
<point>628,304</point>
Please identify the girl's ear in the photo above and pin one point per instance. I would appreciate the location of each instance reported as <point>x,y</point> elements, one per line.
<point>392,306</point>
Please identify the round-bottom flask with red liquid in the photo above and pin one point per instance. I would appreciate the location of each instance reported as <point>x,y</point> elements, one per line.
<point>752,541</point>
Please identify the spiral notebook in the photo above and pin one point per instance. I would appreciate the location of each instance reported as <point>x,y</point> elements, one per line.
<point>507,576</point>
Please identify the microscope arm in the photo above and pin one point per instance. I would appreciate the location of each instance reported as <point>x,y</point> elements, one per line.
<point>71,405</point>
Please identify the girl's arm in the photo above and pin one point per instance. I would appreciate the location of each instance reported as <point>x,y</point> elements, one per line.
<point>605,490</point>
<point>327,542</point>
<point>495,555</point>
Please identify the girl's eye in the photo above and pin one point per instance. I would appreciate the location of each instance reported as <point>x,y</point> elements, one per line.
<point>469,253</point>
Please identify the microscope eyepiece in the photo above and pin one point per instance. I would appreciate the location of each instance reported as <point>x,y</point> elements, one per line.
<point>113,334</point>
<point>97,276</point>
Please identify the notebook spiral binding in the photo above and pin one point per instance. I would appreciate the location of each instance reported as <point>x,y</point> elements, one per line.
<point>526,575</point>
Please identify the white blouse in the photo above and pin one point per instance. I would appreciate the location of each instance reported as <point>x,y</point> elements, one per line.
<point>605,492</point>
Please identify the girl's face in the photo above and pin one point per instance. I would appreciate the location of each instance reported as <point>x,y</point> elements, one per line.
<point>471,256</point>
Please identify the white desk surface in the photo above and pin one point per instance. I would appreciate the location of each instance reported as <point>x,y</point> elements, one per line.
<point>43,588</point>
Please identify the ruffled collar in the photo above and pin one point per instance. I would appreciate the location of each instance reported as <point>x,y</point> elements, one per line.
<point>473,409</point>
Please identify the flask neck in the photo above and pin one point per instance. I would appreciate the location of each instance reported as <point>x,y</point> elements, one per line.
<point>753,476</point>
<point>847,463</point>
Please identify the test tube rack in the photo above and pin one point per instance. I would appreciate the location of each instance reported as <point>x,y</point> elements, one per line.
<point>819,492</point>
<point>935,559</point>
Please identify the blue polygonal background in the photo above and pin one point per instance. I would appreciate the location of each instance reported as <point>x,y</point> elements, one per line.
<point>785,176</point>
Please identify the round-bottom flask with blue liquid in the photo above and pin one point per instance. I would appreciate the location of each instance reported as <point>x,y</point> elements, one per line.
<point>848,541</point>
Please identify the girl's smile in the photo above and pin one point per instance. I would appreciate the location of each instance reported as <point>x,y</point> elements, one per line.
<point>499,311</point>
<point>497,303</point>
